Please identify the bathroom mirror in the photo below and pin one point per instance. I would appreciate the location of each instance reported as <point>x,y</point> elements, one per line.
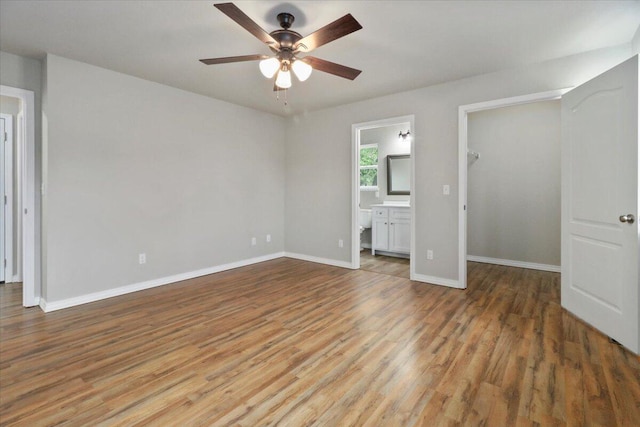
<point>398,174</point>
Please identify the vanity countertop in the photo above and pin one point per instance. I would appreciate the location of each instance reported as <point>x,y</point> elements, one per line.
<point>392,205</point>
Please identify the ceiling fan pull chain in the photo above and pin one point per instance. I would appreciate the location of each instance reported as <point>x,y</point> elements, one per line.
<point>286,101</point>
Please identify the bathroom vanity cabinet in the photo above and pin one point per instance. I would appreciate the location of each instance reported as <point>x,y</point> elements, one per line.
<point>391,229</point>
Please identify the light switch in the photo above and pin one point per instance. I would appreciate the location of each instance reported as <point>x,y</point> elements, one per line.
<point>446,190</point>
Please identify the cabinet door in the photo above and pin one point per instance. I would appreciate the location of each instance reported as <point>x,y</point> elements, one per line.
<point>400,236</point>
<point>380,234</point>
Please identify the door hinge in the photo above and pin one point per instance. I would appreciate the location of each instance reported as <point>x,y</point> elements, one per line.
<point>5,199</point>
<point>5,137</point>
<point>5,263</point>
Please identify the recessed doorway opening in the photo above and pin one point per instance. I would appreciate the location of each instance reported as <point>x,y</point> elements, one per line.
<point>382,211</point>
<point>24,197</point>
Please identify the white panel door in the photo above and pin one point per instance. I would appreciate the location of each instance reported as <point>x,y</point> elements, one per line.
<point>599,195</point>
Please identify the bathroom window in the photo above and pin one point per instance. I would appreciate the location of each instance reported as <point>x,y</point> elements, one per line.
<point>369,167</point>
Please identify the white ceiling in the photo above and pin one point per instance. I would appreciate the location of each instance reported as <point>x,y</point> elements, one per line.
<point>403,44</point>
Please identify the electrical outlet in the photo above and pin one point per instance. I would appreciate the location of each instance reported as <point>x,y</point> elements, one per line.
<point>142,258</point>
<point>268,238</point>
<point>253,241</point>
<point>340,243</point>
<point>429,254</point>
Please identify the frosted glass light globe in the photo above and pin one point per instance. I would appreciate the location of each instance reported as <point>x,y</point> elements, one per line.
<point>283,80</point>
<point>269,67</point>
<point>302,70</point>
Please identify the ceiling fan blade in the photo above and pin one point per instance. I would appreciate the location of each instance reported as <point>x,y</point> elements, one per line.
<point>229,59</point>
<point>332,67</point>
<point>338,28</point>
<point>233,12</point>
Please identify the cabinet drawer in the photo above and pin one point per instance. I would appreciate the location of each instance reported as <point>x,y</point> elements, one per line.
<point>400,213</point>
<point>380,212</point>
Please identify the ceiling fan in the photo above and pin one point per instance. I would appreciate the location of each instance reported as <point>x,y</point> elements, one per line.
<point>287,45</point>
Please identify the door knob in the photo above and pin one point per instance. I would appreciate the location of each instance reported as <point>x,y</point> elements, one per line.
<point>628,218</point>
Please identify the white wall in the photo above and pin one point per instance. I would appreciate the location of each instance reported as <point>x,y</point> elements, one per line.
<point>134,166</point>
<point>9,105</point>
<point>321,200</point>
<point>513,190</point>
<point>26,73</point>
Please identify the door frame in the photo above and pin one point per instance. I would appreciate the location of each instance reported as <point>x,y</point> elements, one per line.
<point>26,150</point>
<point>356,128</point>
<point>463,113</point>
<point>8,192</point>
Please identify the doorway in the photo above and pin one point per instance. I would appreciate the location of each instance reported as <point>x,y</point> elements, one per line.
<point>464,153</point>
<point>513,186</point>
<point>25,179</point>
<point>8,234</point>
<point>383,234</point>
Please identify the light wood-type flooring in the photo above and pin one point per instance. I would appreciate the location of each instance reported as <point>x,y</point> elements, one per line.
<point>392,266</point>
<point>293,343</point>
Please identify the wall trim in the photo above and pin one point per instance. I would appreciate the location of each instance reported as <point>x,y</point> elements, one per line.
<point>440,281</point>
<point>8,172</point>
<point>394,254</point>
<point>109,293</point>
<point>327,261</point>
<point>513,263</point>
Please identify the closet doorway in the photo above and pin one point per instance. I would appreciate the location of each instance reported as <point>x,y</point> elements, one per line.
<point>510,213</point>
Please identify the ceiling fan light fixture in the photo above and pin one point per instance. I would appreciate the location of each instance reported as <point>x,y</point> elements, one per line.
<point>285,44</point>
<point>269,67</point>
<point>301,69</point>
<point>283,81</point>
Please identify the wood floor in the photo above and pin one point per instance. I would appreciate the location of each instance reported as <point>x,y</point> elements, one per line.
<point>294,343</point>
<point>392,266</point>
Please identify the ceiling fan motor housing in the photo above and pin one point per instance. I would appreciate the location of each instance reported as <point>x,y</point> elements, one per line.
<point>286,38</point>
<point>285,20</point>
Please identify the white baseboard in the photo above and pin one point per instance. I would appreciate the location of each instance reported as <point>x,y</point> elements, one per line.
<point>512,263</point>
<point>109,293</point>
<point>96,296</point>
<point>436,281</point>
<point>394,254</point>
<point>365,245</point>
<point>326,261</point>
